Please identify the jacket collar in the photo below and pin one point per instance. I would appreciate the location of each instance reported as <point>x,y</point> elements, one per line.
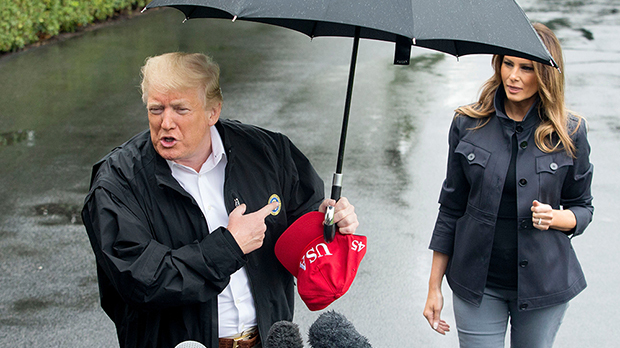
<point>222,130</point>
<point>531,119</point>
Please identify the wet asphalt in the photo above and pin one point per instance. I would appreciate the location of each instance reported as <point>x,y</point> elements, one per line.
<point>64,105</point>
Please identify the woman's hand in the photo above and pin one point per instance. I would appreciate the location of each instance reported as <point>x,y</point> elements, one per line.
<point>432,311</point>
<point>542,215</point>
<point>545,217</point>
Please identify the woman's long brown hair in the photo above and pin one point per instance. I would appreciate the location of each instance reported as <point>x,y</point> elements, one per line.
<point>550,90</point>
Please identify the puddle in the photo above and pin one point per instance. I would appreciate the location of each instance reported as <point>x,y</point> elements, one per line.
<point>7,234</point>
<point>59,213</point>
<point>87,281</point>
<point>16,137</point>
<point>31,304</point>
<point>21,250</point>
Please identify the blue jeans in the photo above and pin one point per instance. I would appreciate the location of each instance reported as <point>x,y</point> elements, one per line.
<point>485,326</point>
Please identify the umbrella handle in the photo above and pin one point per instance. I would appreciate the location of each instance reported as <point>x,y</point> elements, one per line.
<point>336,186</point>
<point>329,227</point>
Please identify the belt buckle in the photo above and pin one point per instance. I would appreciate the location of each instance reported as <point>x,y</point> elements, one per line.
<point>244,335</point>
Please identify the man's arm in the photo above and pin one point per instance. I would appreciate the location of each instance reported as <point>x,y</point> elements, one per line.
<point>147,273</point>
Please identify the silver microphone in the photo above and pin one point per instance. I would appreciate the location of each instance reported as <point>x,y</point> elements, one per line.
<point>190,344</point>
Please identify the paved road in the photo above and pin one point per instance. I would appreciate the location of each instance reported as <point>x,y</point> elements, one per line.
<point>65,105</point>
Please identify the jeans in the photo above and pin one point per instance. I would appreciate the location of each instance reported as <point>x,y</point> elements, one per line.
<point>485,326</point>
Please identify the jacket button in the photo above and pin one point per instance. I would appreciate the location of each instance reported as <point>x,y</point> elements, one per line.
<point>553,166</point>
<point>471,156</point>
<point>523,144</point>
<point>525,224</point>
<point>519,129</point>
<point>522,182</point>
<point>523,263</point>
<point>523,306</point>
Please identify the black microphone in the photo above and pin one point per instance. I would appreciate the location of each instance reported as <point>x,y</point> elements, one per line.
<point>333,330</point>
<point>283,334</point>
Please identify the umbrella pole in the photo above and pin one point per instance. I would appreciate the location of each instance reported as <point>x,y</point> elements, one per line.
<point>329,228</point>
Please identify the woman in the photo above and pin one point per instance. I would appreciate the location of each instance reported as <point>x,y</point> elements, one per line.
<point>517,189</point>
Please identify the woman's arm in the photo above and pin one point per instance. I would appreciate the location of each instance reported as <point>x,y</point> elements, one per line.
<point>434,301</point>
<point>576,193</point>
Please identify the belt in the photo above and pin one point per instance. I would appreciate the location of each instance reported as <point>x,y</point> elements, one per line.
<point>247,339</point>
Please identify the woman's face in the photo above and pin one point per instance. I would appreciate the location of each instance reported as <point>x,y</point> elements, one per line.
<point>519,80</point>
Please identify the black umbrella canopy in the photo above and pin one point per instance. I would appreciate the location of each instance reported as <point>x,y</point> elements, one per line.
<point>456,27</point>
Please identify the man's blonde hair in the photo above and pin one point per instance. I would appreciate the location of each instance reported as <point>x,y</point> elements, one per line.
<point>178,71</point>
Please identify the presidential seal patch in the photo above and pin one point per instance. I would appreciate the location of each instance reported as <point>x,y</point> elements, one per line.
<point>275,198</point>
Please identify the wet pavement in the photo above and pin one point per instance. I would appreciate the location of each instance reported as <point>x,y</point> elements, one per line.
<point>63,106</point>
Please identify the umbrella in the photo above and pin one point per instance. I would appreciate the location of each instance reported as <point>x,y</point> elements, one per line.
<point>456,27</point>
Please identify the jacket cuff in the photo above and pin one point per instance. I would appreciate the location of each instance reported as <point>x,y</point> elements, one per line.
<point>221,249</point>
<point>583,216</point>
<point>442,244</point>
<point>443,233</point>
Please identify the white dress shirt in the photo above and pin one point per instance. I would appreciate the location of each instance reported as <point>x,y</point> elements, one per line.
<point>236,309</point>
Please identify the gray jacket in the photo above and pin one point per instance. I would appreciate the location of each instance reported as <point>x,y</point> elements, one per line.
<point>549,272</point>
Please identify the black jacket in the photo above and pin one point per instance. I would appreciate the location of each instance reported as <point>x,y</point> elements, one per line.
<point>159,269</point>
<point>548,270</point>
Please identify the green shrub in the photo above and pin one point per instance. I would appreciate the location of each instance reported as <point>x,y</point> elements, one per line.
<point>26,21</point>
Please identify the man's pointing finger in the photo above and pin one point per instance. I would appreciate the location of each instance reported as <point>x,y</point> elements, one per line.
<point>266,210</point>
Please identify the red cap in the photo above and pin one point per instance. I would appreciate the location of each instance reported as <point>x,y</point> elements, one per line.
<point>324,271</point>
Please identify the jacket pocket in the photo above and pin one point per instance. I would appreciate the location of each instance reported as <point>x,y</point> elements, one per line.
<point>473,154</point>
<point>552,170</point>
<point>553,163</point>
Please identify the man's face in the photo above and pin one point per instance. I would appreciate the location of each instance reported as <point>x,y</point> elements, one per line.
<point>179,124</point>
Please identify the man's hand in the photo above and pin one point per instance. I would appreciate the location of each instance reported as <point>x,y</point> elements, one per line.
<point>344,215</point>
<point>249,229</point>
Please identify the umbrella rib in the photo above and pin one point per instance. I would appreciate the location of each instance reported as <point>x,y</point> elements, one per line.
<point>189,16</point>
<point>316,23</point>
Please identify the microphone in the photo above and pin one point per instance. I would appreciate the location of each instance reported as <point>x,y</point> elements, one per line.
<point>283,334</point>
<point>333,330</point>
<point>190,344</point>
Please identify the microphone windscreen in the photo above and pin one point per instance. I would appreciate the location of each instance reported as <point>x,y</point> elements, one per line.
<point>190,344</point>
<point>283,334</point>
<point>333,330</point>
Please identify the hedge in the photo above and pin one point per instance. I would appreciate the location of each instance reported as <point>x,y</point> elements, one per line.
<point>23,22</point>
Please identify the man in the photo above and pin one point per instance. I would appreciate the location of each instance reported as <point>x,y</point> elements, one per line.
<point>183,218</point>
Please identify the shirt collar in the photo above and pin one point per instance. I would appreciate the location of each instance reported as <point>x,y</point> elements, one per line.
<point>217,146</point>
